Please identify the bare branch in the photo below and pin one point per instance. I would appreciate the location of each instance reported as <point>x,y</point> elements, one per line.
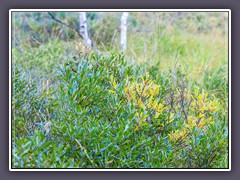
<point>65,24</point>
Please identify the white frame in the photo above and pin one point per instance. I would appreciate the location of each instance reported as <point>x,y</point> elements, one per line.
<point>118,10</point>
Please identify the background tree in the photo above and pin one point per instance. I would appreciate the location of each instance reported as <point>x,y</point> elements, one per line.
<point>124,30</point>
<point>83,29</point>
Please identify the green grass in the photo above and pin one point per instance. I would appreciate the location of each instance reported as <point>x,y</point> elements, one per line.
<point>197,52</point>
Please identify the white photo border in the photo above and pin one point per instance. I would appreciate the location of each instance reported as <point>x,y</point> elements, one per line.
<point>118,10</point>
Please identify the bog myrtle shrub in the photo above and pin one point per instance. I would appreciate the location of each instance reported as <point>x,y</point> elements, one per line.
<point>107,113</point>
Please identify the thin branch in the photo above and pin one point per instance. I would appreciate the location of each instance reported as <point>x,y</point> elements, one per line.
<point>65,24</point>
<point>36,40</point>
<point>169,23</point>
<point>85,151</point>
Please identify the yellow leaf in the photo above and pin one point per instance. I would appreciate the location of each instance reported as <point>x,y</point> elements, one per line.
<point>200,115</point>
<point>202,124</point>
<point>143,118</point>
<point>154,105</point>
<point>111,91</point>
<point>140,104</point>
<point>136,128</point>
<point>114,85</point>
<point>144,124</point>
<point>200,97</point>
<point>151,92</point>
<point>111,78</point>
<point>147,75</point>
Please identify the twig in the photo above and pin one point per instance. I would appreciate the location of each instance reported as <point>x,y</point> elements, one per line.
<point>170,22</point>
<point>36,40</point>
<point>65,24</point>
<point>85,151</point>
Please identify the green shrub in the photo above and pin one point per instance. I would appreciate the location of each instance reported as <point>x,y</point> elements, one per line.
<point>106,113</point>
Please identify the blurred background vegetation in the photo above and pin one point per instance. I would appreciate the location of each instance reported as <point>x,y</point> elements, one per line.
<point>198,40</point>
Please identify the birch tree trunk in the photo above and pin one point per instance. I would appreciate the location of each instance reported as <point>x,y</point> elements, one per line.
<point>83,29</point>
<point>124,30</point>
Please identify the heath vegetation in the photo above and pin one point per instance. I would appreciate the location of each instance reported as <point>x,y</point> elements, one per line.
<point>161,104</point>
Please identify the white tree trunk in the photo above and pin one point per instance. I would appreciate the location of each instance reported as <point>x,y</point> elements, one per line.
<point>83,29</point>
<point>124,30</point>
